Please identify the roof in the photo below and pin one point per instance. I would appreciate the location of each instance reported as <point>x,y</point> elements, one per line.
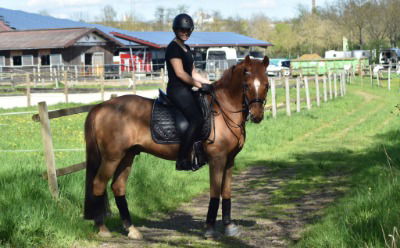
<point>197,39</point>
<point>46,38</point>
<point>4,27</point>
<point>21,20</point>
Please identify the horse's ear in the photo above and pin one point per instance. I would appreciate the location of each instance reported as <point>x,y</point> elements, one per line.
<point>266,61</point>
<point>247,60</point>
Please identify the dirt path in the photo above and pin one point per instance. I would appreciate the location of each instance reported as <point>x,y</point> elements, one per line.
<point>262,222</point>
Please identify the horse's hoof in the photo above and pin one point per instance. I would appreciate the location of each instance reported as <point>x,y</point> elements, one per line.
<point>211,233</point>
<point>104,234</point>
<point>231,230</point>
<point>134,233</point>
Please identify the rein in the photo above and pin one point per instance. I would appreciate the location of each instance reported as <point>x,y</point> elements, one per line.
<point>245,110</point>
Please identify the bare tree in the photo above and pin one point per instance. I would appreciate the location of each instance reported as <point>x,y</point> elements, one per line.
<point>160,18</point>
<point>392,21</point>
<point>108,15</point>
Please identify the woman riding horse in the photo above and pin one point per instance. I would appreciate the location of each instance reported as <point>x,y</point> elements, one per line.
<point>182,76</point>
<point>119,129</point>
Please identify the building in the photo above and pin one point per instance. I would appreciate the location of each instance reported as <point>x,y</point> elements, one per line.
<point>139,50</point>
<point>49,47</point>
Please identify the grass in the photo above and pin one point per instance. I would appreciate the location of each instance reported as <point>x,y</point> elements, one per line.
<point>339,145</point>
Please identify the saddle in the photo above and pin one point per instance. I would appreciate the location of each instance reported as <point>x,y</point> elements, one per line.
<point>168,124</point>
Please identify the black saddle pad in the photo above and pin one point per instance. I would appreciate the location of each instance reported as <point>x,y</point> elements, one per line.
<point>163,126</point>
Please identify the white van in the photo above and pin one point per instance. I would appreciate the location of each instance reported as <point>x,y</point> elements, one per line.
<point>219,59</point>
<point>389,56</point>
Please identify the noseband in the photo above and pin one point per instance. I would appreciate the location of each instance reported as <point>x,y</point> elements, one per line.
<point>247,103</point>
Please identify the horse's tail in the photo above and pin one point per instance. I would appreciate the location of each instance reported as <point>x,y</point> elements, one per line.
<point>93,162</point>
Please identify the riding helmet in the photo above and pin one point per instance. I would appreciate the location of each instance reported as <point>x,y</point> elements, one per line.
<point>183,21</point>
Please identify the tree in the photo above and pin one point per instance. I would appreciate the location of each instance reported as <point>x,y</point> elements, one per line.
<point>392,20</point>
<point>108,15</point>
<point>160,18</point>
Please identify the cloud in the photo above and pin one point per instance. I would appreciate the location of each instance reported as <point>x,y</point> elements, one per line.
<point>259,4</point>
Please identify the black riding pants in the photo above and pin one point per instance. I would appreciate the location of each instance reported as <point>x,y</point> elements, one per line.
<point>183,98</point>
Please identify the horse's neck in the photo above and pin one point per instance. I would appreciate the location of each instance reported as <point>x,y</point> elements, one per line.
<point>231,92</point>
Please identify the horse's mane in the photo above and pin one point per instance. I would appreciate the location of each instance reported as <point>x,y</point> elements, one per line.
<point>226,76</point>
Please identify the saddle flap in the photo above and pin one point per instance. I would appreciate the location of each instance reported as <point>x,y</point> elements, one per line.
<point>163,98</point>
<point>168,123</point>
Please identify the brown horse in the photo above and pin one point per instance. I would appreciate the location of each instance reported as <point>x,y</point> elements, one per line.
<point>119,129</point>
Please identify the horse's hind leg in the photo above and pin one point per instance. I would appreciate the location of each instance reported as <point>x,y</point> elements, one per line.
<point>106,171</point>
<point>119,189</point>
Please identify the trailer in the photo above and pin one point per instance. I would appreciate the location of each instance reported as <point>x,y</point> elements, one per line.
<point>323,66</point>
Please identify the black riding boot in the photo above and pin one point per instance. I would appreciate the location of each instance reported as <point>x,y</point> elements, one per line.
<point>184,162</point>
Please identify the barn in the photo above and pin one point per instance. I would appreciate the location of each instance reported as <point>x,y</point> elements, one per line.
<point>65,46</point>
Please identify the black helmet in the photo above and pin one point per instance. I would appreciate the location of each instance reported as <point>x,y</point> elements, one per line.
<point>183,21</point>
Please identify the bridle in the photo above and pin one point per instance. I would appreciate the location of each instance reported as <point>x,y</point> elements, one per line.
<point>246,103</point>
<point>245,110</point>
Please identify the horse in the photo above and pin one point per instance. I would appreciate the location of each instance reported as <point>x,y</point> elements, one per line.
<point>119,129</point>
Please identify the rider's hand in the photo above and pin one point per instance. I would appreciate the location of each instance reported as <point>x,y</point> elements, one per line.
<point>206,88</point>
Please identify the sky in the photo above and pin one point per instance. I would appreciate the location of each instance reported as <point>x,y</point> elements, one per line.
<point>145,9</point>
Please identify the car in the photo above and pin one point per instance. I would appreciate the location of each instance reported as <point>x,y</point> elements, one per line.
<point>278,67</point>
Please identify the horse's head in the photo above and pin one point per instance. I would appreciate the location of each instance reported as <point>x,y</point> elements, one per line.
<point>255,86</point>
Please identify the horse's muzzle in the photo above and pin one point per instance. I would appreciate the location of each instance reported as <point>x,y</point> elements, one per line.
<point>256,119</point>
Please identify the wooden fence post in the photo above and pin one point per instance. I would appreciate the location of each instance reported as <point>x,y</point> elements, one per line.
<point>335,85</point>
<point>162,75</point>
<point>307,93</point>
<point>113,96</point>
<point>390,67</point>
<point>48,149</point>
<point>324,88</point>
<point>76,73</point>
<point>133,82</point>
<point>330,85</point>
<point>34,77</point>
<point>287,86</point>
<point>102,90</point>
<point>66,87</point>
<point>298,94</point>
<point>28,90</point>
<point>273,98</point>
<point>317,90</point>
<point>377,79</point>
<point>341,84</point>
<point>371,75</point>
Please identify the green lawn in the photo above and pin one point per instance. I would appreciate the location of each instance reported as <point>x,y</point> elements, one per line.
<point>345,137</point>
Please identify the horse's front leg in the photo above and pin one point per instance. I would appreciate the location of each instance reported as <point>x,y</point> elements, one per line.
<point>217,166</point>
<point>230,229</point>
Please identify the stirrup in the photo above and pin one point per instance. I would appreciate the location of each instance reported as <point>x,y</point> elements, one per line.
<point>198,157</point>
